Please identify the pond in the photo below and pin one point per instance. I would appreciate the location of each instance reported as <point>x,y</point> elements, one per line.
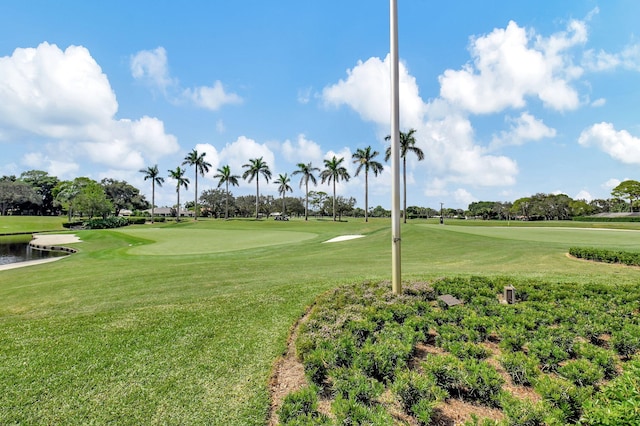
<point>16,248</point>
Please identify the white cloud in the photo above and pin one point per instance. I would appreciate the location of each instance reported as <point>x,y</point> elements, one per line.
<point>239,152</point>
<point>211,98</point>
<point>220,127</point>
<point>612,183</point>
<point>463,197</point>
<point>44,91</point>
<point>522,129</point>
<point>63,99</point>
<point>599,102</point>
<point>302,150</point>
<point>620,145</point>
<point>506,69</point>
<point>150,66</point>
<point>628,58</point>
<point>583,195</point>
<point>304,95</point>
<point>367,91</point>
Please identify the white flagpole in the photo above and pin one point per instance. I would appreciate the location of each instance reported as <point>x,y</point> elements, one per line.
<point>396,281</point>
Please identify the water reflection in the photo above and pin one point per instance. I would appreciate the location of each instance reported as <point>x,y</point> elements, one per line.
<point>16,249</point>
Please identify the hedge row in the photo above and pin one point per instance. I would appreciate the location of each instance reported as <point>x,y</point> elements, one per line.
<point>110,222</point>
<point>606,219</point>
<point>607,256</point>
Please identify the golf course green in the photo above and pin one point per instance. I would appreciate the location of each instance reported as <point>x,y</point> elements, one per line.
<point>181,323</point>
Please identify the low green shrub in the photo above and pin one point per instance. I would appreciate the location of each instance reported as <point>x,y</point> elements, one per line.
<point>352,384</point>
<point>315,366</point>
<point>549,354</point>
<point>73,224</point>
<point>603,358</point>
<point>137,220</point>
<point>350,412</point>
<point>626,341</point>
<point>447,370</point>
<point>379,360</point>
<point>481,382</point>
<point>523,412</point>
<point>581,372</point>
<point>564,395</point>
<point>108,223</point>
<point>301,408</point>
<point>618,402</point>
<point>418,394</point>
<point>522,369</point>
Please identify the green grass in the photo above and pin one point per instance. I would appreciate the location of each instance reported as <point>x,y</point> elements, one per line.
<point>181,323</point>
<point>17,224</point>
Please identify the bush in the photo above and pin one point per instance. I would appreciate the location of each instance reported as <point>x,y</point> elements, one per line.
<point>417,393</point>
<point>521,368</point>
<point>353,384</point>
<point>380,360</point>
<point>446,370</point>
<point>133,220</point>
<point>523,412</point>
<point>548,353</point>
<point>73,224</point>
<point>603,358</point>
<point>315,366</point>
<point>581,372</point>
<point>626,342</point>
<point>564,395</point>
<point>301,408</point>
<point>482,382</point>
<point>108,223</point>
<point>349,412</point>
<point>617,402</point>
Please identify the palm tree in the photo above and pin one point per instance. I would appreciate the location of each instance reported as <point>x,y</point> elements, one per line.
<point>364,158</point>
<point>256,167</point>
<point>224,175</point>
<point>407,144</point>
<point>153,174</point>
<point>306,170</point>
<point>283,186</point>
<point>201,166</point>
<point>178,175</point>
<point>334,172</point>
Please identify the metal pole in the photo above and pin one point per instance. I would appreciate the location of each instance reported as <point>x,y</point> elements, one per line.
<point>396,279</point>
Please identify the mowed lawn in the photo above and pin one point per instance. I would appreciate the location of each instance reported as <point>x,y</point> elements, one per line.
<point>181,323</point>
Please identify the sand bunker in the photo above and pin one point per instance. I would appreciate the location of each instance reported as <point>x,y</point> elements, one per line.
<point>55,239</point>
<point>343,238</point>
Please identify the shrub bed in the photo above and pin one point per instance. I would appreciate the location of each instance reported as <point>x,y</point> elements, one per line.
<point>360,342</point>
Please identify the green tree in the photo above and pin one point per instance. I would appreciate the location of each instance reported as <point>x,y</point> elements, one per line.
<point>43,183</point>
<point>407,144</point>
<point>13,194</point>
<point>256,167</point>
<point>283,187</point>
<point>153,174</point>
<point>334,172</point>
<point>307,172</point>
<point>216,202</point>
<point>123,195</point>
<point>181,180</point>
<point>628,189</point>
<point>201,167</point>
<point>225,176</point>
<point>91,199</point>
<point>364,158</point>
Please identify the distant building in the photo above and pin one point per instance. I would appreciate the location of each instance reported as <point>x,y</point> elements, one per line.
<point>168,212</point>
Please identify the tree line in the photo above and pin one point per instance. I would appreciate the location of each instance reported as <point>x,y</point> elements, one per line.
<point>36,192</point>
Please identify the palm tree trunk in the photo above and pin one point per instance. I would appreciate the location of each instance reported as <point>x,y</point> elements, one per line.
<point>153,198</point>
<point>195,202</point>
<point>283,207</point>
<point>334,200</point>
<point>404,188</point>
<point>178,210</point>
<point>257,195</point>
<point>366,196</point>
<point>306,206</point>
<point>226,203</point>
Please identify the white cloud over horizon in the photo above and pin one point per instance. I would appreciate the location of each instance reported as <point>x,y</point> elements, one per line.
<point>44,94</point>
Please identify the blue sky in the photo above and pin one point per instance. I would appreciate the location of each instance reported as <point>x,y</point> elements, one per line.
<point>508,98</point>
